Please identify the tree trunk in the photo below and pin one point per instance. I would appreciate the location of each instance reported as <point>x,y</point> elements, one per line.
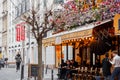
<point>40,59</point>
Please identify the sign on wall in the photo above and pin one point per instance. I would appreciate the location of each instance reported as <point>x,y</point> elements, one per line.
<point>18,33</point>
<point>58,40</point>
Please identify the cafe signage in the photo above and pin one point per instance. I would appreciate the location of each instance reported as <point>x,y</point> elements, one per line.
<point>117,24</point>
<point>73,35</point>
<point>79,34</point>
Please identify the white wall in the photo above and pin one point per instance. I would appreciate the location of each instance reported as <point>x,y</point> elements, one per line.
<point>50,55</point>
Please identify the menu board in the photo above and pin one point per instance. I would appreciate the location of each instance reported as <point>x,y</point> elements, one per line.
<point>33,70</point>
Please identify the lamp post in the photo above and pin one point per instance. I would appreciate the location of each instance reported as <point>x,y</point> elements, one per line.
<point>23,62</point>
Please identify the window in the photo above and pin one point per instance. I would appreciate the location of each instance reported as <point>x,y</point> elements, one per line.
<point>27,4</point>
<point>12,35</point>
<point>23,6</point>
<point>44,1</point>
<point>58,1</point>
<point>17,12</point>
<point>19,9</point>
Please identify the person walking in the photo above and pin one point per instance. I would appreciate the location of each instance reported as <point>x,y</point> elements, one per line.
<point>106,67</point>
<point>18,61</point>
<point>116,63</point>
<point>6,63</point>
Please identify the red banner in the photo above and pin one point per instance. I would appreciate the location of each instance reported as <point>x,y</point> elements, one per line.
<point>20,32</point>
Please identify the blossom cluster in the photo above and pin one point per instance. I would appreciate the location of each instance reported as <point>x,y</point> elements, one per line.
<point>73,15</point>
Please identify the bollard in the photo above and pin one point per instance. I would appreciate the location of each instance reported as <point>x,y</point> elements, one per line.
<point>0,66</point>
<point>42,69</point>
<point>58,73</point>
<point>22,72</point>
<point>52,74</point>
<point>46,69</point>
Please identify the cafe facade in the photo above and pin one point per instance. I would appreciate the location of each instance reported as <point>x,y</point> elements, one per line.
<point>117,30</point>
<point>80,44</point>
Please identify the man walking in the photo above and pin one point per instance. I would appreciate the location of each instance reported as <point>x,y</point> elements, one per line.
<point>106,66</point>
<point>116,63</point>
<point>18,61</point>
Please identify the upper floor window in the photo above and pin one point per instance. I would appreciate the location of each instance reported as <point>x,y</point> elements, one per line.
<point>27,4</point>
<point>58,1</point>
<point>22,7</point>
<point>44,3</point>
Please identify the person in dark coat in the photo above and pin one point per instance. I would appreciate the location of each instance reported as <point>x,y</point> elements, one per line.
<point>74,64</point>
<point>18,61</point>
<point>6,63</point>
<point>97,63</point>
<point>106,66</point>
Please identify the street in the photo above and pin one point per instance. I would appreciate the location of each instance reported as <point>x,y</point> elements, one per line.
<point>11,74</point>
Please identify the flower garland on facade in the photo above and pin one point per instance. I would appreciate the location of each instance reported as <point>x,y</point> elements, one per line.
<point>74,15</point>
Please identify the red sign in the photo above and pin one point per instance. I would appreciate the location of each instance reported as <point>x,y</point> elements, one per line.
<point>20,32</point>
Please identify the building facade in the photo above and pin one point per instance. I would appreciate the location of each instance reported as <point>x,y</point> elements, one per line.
<point>5,24</point>
<point>28,47</point>
<point>65,45</point>
<point>1,29</point>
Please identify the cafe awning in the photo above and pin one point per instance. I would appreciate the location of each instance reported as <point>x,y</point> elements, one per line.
<point>77,33</point>
<point>83,31</point>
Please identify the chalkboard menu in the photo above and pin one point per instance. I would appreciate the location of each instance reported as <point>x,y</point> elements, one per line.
<point>33,70</point>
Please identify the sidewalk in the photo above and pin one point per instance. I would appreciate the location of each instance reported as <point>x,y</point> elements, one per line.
<point>46,76</point>
<point>11,74</point>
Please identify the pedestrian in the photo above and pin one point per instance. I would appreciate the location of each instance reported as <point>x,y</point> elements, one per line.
<point>116,63</point>
<point>97,62</point>
<point>6,63</point>
<point>106,67</point>
<point>18,61</point>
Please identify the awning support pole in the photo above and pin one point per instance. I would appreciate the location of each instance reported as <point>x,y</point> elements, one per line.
<point>118,44</point>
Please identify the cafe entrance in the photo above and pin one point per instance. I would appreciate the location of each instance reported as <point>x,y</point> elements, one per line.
<point>74,46</point>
